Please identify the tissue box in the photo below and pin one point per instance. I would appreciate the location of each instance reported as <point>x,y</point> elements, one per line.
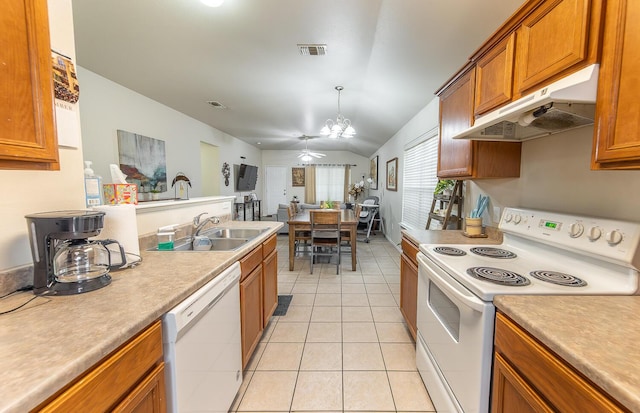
<point>115,194</point>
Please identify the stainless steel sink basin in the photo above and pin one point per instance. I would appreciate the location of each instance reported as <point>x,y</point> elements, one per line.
<point>217,244</point>
<point>222,239</point>
<point>246,233</point>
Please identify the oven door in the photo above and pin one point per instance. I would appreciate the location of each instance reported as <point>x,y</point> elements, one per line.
<point>456,330</point>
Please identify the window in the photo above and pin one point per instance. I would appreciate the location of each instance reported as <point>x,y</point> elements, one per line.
<point>329,183</point>
<point>419,181</point>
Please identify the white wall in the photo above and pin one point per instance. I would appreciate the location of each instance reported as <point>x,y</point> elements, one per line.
<point>290,159</point>
<point>106,106</point>
<point>555,175</point>
<point>391,201</point>
<point>26,192</point>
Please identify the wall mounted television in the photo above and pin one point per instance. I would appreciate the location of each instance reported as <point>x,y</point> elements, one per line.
<point>247,178</point>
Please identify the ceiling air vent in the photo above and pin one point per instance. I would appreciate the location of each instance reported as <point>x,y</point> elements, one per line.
<point>216,104</point>
<point>312,49</point>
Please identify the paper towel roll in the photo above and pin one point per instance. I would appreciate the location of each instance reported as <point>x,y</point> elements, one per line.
<point>121,225</point>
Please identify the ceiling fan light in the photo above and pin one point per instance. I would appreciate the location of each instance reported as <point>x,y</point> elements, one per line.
<point>306,157</point>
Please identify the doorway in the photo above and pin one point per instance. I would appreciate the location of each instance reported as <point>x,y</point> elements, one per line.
<point>275,178</point>
<point>210,169</point>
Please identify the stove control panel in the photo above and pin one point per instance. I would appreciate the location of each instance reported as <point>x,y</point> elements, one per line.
<point>612,240</point>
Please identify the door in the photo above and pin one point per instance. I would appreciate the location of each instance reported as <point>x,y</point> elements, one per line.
<point>275,178</point>
<point>210,169</point>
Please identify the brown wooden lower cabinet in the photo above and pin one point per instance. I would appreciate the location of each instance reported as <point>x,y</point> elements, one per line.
<point>528,377</point>
<point>409,284</point>
<point>129,380</point>
<point>251,313</point>
<point>270,286</point>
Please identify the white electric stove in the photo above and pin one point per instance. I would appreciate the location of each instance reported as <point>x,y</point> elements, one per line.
<point>542,253</point>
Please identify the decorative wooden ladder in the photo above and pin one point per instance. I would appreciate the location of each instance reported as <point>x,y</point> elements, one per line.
<point>455,198</point>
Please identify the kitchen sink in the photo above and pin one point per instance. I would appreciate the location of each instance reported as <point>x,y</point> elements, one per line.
<point>222,239</point>
<point>246,233</point>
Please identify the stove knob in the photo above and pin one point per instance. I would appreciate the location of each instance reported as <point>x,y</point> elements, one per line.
<point>517,219</point>
<point>614,237</point>
<point>576,229</point>
<point>508,217</point>
<point>594,233</point>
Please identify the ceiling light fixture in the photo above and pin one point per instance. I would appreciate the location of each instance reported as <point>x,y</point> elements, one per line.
<point>212,3</point>
<point>341,127</point>
<point>306,155</point>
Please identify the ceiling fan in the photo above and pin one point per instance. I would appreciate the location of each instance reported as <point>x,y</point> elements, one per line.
<point>306,155</point>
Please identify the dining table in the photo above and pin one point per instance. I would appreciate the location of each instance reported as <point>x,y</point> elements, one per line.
<point>302,222</point>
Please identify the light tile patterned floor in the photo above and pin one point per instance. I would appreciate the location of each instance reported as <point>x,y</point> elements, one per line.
<point>343,344</point>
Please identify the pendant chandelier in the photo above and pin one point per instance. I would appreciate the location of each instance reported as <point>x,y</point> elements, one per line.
<point>341,127</point>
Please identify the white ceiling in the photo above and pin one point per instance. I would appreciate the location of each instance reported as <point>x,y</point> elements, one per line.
<point>390,56</point>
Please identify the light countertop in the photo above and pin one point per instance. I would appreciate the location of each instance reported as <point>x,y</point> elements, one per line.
<point>52,340</point>
<point>451,237</point>
<point>597,335</point>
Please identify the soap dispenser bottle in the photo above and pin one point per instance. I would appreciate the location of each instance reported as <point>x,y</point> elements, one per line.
<point>92,186</point>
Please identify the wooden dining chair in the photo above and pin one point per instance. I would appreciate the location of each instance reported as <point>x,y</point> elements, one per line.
<point>325,235</point>
<point>299,235</point>
<point>346,234</point>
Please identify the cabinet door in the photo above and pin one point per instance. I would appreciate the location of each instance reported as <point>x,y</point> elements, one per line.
<point>552,39</point>
<point>269,286</point>
<point>456,114</point>
<point>616,139</point>
<point>494,76</point>
<point>148,396</point>
<point>251,313</point>
<point>27,134</point>
<point>409,293</point>
<point>511,393</point>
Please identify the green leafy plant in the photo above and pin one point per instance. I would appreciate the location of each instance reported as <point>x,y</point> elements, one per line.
<point>444,184</point>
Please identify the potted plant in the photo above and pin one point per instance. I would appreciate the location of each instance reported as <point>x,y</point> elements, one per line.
<point>444,187</point>
<point>155,194</point>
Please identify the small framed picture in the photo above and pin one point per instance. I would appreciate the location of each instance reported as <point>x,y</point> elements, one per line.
<point>392,174</point>
<point>373,173</point>
<point>297,176</point>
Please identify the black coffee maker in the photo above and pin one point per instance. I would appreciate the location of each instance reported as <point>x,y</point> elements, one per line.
<point>65,261</point>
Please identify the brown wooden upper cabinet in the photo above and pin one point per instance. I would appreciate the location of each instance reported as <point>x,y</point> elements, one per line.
<point>543,41</point>
<point>494,76</point>
<point>27,133</point>
<point>554,39</point>
<point>616,133</point>
<point>459,158</point>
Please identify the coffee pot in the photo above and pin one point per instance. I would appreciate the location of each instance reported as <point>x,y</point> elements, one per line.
<point>82,260</point>
<point>64,260</point>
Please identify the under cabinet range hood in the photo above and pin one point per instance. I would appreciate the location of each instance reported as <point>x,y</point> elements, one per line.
<point>566,104</point>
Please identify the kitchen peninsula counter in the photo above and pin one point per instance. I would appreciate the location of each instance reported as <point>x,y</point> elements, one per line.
<point>597,335</point>
<point>53,340</point>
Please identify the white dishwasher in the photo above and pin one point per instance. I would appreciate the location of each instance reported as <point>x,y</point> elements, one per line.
<point>202,348</point>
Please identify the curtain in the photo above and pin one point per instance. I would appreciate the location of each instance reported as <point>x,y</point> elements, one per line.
<point>310,184</point>
<point>329,182</point>
<point>347,178</point>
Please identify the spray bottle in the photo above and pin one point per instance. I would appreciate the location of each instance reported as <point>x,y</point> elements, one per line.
<point>92,186</point>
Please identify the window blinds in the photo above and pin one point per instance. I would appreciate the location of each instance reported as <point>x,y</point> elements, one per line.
<point>419,182</point>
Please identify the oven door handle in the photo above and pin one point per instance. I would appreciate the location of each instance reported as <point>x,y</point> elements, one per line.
<point>454,288</point>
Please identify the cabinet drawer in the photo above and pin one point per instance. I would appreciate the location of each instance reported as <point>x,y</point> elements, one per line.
<point>113,377</point>
<point>269,245</point>
<point>563,387</point>
<point>250,261</point>
<point>410,250</point>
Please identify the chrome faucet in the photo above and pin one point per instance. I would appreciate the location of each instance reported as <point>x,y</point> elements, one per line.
<point>198,225</point>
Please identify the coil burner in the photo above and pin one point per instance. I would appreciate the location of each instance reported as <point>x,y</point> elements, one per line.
<point>454,252</point>
<point>493,252</point>
<point>498,276</point>
<point>558,278</point>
